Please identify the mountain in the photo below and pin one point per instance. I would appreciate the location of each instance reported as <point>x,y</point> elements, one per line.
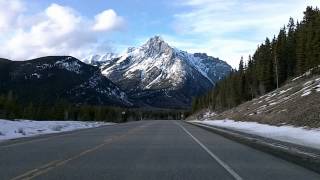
<point>49,79</point>
<point>158,75</point>
<point>98,60</point>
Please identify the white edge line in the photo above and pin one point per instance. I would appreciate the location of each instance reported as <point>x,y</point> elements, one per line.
<point>223,164</point>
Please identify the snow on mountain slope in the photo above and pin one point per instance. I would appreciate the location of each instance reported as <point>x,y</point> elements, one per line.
<point>157,64</point>
<point>97,60</point>
<point>158,69</point>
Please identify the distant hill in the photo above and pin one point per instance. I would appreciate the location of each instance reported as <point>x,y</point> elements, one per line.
<point>49,79</point>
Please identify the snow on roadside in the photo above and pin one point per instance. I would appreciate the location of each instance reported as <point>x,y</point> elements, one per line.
<point>286,133</point>
<point>25,128</point>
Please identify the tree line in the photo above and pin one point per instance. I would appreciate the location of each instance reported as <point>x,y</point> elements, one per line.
<point>12,108</point>
<point>295,50</point>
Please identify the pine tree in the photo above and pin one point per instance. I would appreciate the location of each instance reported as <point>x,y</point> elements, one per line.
<point>281,56</point>
<point>291,48</point>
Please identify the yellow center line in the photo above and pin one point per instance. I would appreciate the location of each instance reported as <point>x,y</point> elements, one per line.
<point>34,170</point>
<point>57,163</point>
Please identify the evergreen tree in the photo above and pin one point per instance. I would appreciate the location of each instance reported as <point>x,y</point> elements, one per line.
<point>291,48</point>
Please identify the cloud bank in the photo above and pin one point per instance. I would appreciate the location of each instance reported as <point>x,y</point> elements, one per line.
<point>57,30</point>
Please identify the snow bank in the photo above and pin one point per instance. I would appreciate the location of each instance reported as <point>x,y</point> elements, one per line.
<point>296,135</point>
<point>25,128</point>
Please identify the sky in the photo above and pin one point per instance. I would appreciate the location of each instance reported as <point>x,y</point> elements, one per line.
<point>227,29</point>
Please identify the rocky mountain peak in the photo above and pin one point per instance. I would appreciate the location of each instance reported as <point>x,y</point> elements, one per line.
<point>155,40</point>
<point>156,46</point>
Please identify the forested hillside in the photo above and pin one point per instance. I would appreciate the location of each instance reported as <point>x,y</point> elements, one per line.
<point>11,108</point>
<point>292,52</point>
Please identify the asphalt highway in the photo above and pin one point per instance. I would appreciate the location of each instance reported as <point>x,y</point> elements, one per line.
<point>150,150</point>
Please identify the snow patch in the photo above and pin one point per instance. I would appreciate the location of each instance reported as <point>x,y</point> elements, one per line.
<point>36,75</point>
<point>306,93</point>
<point>284,91</point>
<point>209,114</point>
<point>73,66</point>
<point>25,128</point>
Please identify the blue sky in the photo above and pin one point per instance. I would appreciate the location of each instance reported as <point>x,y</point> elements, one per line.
<point>227,29</point>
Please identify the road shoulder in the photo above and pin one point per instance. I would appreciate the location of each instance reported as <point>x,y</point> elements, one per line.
<point>304,156</point>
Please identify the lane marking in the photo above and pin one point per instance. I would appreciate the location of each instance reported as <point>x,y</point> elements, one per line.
<point>57,163</point>
<point>29,173</point>
<point>215,157</point>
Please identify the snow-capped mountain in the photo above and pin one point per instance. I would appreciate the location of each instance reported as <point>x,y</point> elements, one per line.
<point>97,60</point>
<point>159,75</point>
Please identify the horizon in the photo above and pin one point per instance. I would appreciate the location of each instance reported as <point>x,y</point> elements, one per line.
<point>225,30</point>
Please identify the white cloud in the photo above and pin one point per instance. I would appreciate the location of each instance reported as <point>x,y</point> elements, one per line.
<point>231,29</point>
<point>108,20</point>
<point>57,30</point>
<point>9,11</point>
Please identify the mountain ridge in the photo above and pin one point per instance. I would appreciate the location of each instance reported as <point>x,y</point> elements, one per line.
<point>48,79</point>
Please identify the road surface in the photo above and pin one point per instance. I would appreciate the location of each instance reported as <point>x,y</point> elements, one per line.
<point>151,150</point>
